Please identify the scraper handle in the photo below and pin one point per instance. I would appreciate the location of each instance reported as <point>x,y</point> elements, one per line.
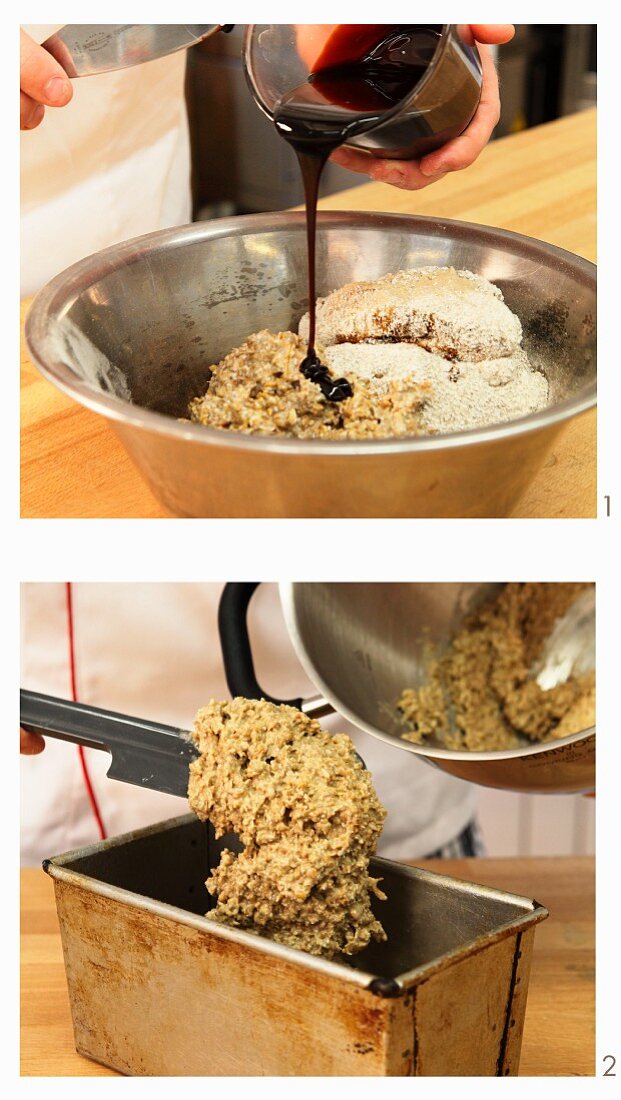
<point>144,753</point>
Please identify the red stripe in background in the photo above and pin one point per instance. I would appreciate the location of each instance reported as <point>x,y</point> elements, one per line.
<point>74,695</point>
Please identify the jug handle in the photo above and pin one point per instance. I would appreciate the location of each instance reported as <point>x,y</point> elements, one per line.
<point>235,643</point>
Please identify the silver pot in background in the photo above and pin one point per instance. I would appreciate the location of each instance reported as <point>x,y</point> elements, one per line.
<point>132,331</point>
<point>362,644</point>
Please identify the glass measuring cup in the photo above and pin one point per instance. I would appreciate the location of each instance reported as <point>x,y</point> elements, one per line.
<point>278,57</point>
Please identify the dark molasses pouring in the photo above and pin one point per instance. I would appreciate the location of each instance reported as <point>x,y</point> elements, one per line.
<point>363,72</point>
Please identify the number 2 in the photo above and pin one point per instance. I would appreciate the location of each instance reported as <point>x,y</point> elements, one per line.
<point>613,1061</point>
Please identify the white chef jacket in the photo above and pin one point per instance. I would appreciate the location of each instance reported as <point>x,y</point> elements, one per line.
<point>113,164</point>
<point>152,651</point>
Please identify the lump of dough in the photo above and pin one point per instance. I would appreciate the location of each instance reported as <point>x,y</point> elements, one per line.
<point>304,807</point>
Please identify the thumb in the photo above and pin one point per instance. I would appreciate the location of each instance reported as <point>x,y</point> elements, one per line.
<point>40,76</point>
<point>30,744</point>
<point>493,33</point>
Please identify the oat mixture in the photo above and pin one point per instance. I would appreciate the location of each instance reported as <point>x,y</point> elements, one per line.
<point>258,388</point>
<point>478,694</point>
<point>306,812</point>
<point>427,352</point>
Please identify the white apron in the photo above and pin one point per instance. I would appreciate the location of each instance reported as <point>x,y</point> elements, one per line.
<point>113,164</point>
<point>152,651</point>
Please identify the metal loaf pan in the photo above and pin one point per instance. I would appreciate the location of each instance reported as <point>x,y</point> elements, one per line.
<point>156,989</point>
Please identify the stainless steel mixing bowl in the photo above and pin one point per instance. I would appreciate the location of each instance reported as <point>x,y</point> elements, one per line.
<point>131,332</point>
<point>362,644</point>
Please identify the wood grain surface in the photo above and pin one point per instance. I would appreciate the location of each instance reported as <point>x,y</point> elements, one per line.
<point>540,182</point>
<point>559,1032</point>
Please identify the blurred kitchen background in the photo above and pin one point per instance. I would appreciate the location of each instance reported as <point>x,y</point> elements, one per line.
<point>536,825</point>
<point>241,166</point>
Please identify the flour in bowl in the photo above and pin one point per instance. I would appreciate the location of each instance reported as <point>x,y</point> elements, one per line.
<point>461,395</point>
<point>454,313</point>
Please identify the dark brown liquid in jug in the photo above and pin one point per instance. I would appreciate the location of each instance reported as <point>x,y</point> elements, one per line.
<point>363,71</point>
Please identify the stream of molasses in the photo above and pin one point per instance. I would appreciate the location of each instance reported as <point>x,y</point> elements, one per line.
<point>363,71</point>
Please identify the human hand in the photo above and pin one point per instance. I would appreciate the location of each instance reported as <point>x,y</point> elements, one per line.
<point>30,744</point>
<point>459,153</point>
<point>42,83</point>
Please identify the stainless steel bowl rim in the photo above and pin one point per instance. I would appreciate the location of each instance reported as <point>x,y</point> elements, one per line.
<point>287,601</point>
<point>80,275</point>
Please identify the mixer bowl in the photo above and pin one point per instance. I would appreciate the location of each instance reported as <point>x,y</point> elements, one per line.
<point>362,644</point>
<point>132,331</point>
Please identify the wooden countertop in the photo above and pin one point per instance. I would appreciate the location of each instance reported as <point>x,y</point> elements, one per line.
<point>559,1032</point>
<point>541,182</point>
